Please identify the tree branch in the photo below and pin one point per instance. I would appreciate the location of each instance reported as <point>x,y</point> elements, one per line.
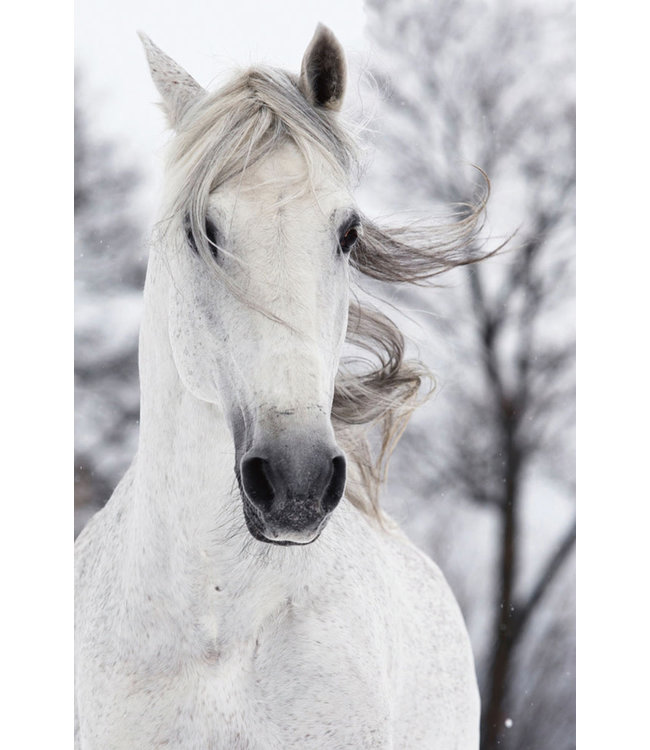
<point>547,576</point>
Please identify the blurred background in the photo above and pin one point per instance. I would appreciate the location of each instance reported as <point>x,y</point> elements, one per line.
<point>483,479</point>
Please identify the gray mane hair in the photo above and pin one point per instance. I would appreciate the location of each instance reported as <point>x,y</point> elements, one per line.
<point>224,133</point>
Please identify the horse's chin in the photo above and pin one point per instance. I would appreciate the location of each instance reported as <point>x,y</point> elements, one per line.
<point>282,538</point>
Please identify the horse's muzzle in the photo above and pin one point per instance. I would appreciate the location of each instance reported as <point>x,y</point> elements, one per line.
<point>290,488</point>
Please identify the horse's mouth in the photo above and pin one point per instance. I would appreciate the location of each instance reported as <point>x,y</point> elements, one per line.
<point>257,534</point>
<point>259,530</point>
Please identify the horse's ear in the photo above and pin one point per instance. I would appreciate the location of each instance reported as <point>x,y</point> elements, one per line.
<point>177,87</point>
<point>323,70</point>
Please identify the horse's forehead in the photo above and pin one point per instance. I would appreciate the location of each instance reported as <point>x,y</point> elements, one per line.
<point>285,163</point>
<point>284,183</point>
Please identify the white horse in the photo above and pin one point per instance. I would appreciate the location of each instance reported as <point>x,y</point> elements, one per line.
<point>251,608</point>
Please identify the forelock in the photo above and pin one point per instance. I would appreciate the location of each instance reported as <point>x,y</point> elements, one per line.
<point>228,131</point>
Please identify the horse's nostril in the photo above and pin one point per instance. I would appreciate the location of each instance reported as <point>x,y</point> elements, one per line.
<point>334,490</point>
<point>257,485</point>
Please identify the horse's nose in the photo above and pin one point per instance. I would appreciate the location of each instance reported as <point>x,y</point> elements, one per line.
<point>293,488</point>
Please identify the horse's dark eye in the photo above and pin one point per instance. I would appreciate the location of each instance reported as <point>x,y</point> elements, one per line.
<point>211,233</point>
<point>213,237</point>
<point>348,239</point>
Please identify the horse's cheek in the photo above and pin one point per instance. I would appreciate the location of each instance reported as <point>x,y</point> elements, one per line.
<point>195,349</point>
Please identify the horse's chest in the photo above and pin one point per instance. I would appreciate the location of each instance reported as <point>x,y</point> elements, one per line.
<point>297,685</point>
<point>198,705</point>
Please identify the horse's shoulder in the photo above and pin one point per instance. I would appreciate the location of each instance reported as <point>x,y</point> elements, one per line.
<point>431,647</point>
<point>416,570</point>
<point>388,576</point>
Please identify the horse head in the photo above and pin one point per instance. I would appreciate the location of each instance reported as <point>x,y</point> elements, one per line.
<point>261,224</point>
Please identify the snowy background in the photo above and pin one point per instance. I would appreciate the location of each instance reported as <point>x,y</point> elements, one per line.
<point>484,477</point>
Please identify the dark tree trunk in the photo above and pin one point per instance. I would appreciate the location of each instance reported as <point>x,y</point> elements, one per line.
<point>493,721</point>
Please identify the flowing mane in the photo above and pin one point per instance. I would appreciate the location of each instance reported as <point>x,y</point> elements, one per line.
<point>225,132</point>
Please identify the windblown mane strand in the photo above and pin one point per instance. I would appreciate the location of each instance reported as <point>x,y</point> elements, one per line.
<point>244,122</point>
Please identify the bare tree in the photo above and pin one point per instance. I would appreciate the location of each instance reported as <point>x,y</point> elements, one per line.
<point>109,273</point>
<point>492,84</point>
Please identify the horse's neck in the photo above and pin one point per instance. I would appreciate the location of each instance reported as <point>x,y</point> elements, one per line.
<point>184,483</point>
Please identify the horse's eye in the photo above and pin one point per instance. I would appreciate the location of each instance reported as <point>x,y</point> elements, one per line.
<point>348,239</point>
<point>211,232</point>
